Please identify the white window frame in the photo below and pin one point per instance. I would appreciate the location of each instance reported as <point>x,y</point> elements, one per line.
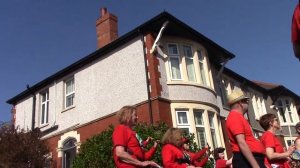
<point>183,125</point>
<point>290,115</point>
<point>202,68</point>
<point>174,56</point>
<point>72,93</point>
<point>200,126</point>
<point>212,126</point>
<point>189,58</point>
<point>44,111</point>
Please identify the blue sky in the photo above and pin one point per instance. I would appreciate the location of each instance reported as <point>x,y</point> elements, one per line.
<point>39,38</point>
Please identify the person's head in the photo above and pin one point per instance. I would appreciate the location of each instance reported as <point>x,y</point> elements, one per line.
<point>185,143</point>
<point>297,126</point>
<point>172,136</point>
<point>127,115</point>
<point>238,100</point>
<point>219,153</point>
<point>268,121</point>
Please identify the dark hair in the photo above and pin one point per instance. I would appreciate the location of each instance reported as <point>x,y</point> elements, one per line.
<point>217,151</point>
<point>265,120</point>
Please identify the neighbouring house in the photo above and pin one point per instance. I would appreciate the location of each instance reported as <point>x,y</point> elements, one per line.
<point>171,72</point>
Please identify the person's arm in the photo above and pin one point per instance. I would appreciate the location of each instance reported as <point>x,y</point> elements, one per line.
<point>125,157</point>
<point>148,154</point>
<point>198,154</point>
<point>169,160</point>
<point>271,154</point>
<point>240,138</point>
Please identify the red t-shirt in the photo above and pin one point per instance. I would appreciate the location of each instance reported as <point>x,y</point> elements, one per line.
<point>221,163</point>
<point>269,140</point>
<point>296,25</point>
<point>236,124</point>
<point>170,156</point>
<point>126,137</point>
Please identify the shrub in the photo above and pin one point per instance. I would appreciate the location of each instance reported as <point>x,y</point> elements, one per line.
<point>22,149</point>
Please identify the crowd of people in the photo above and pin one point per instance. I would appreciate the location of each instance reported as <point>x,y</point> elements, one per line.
<point>130,150</point>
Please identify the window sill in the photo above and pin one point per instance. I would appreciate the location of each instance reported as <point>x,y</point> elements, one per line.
<point>69,108</point>
<point>43,125</point>
<point>181,82</point>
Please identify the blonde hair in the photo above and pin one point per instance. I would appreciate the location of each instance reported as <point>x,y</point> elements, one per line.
<point>172,136</point>
<point>125,114</point>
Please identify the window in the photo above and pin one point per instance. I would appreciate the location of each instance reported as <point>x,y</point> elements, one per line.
<point>212,129</point>
<point>69,93</point>
<point>182,121</point>
<point>187,52</point>
<point>174,61</point>
<point>201,66</point>
<point>286,111</point>
<point>44,107</point>
<point>200,129</point>
<point>187,63</point>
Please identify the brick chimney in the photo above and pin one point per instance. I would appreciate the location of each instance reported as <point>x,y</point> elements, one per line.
<point>106,28</point>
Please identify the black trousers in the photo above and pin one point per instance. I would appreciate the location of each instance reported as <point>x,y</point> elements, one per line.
<point>239,160</point>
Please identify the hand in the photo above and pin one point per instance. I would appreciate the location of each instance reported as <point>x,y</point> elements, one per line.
<point>156,143</point>
<point>291,149</point>
<point>149,138</point>
<point>149,163</point>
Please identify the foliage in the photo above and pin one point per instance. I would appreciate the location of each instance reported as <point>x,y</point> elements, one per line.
<point>97,151</point>
<point>22,149</point>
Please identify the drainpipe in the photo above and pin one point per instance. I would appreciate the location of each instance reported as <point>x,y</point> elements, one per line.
<point>33,106</point>
<point>147,81</point>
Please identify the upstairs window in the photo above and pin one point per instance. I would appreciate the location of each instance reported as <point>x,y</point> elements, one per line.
<point>201,66</point>
<point>187,63</point>
<point>69,92</point>
<point>286,111</point>
<point>44,107</point>
<point>189,60</point>
<point>174,58</point>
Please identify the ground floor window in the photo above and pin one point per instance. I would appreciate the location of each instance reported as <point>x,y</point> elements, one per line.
<point>201,120</point>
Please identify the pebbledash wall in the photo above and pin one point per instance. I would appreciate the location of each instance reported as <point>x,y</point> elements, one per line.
<point>100,88</point>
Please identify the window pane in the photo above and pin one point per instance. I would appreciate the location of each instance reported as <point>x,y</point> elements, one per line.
<point>198,117</point>
<point>182,118</point>
<point>211,120</point>
<point>214,138</point>
<point>281,113</point>
<point>172,49</point>
<point>69,86</point>
<point>175,68</point>
<point>43,113</point>
<point>190,69</point>
<point>201,136</point>
<point>69,101</point>
<point>187,51</point>
<point>185,131</point>
<point>200,56</point>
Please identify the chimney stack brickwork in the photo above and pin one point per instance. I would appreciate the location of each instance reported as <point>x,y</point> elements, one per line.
<point>106,28</point>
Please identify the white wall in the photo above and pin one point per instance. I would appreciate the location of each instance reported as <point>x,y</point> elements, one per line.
<point>101,88</point>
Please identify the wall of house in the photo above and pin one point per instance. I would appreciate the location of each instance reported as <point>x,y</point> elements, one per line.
<point>24,115</point>
<point>101,88</point>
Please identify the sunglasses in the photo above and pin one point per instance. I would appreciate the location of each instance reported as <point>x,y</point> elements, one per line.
<point>246,101</point>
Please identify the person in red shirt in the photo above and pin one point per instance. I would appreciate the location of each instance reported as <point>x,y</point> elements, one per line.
<point>194,157</point>
<point>248,152</point>
<point>276,156</point>
<point>127,151</point>
<point>296,31</point>
<point>219,158</point>
<point>172,156</point>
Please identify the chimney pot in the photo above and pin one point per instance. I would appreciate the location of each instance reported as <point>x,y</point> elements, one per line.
<point>103,11</point>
